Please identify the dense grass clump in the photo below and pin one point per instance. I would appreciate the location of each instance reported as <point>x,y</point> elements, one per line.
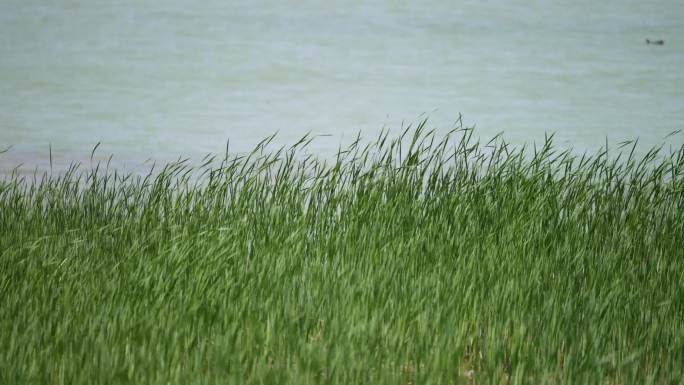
<point>422,260</point>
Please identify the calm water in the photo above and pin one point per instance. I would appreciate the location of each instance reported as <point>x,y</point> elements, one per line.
<point>161,80</point>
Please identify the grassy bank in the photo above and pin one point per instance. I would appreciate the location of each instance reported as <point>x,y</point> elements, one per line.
<point>422,259</point>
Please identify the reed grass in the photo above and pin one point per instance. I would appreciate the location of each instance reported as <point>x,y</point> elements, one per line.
<point>419,259</point>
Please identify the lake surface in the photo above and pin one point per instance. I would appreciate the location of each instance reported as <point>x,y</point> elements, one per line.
<point>159,80</point>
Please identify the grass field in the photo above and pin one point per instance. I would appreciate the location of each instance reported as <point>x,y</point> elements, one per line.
<point>419,259</point>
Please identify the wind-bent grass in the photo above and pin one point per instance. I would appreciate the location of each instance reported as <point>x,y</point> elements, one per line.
<point>422,260</point>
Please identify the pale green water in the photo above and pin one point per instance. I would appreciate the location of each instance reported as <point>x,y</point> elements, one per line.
<point>163,79</point>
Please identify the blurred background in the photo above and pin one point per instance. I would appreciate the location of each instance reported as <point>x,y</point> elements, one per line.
<point>155,80</point>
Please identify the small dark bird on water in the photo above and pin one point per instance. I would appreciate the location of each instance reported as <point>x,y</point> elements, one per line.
<point>655,42</point>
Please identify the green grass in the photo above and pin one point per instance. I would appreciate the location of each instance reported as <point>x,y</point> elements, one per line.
<point>415,260</point>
